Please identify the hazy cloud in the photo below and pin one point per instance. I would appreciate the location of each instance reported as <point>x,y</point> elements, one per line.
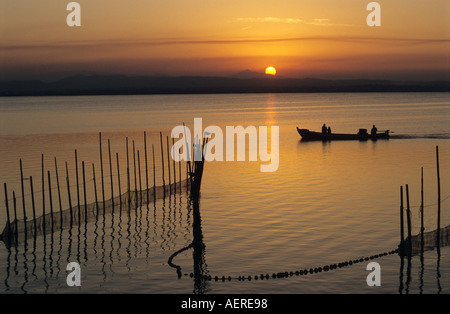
<point>268,20</point>
<point>327,22</point>
<point>178,41</point>
<point>317,22</point>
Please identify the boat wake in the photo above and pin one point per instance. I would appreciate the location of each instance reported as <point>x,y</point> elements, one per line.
<point>444,136</point>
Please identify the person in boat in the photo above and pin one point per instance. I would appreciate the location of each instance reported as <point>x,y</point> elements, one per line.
<point>374,130</point>
<point>324,128</point>
<point>329,130</point>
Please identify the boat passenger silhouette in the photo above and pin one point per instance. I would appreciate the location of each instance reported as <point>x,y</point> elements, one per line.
<point>374,130</point>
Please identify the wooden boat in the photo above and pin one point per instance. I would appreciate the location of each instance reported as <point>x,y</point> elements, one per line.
<point>362,135</point>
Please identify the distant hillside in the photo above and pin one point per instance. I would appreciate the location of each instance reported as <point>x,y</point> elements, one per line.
<point>247,74</point>
<point>241,83</point>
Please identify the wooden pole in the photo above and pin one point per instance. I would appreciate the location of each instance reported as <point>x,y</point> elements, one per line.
<point>134,168</point>
<point>8,219</point>
<point>84,192</point>
<point>32,206</point>
<point>168,164</point>
<point>146,164</point>
<point>43,194</point>
<point>101,170</point>
<point>140,182</point>
<point>111,174</point>
<point>188,153</point>
<point>154,172</point>
<point>78,187</point>
<point>421,203</point>
<point>179,168</point>
<point>439,191</point>
<point>16,232</point>
<point>59,194</point>
<point>162,163</point>
<point>68,194</point>
<point>128,173</point>
<point>50,197</point>
<point>174,168</point>
<point>95,188</point>
<point>408,218</point>
<point>118,179</point>
<point>402,227</point>
<point>422,228</point>
<point>23,199</point>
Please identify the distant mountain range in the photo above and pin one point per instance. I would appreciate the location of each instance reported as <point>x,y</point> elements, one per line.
<point>247,74</point>
<point>243,82</point>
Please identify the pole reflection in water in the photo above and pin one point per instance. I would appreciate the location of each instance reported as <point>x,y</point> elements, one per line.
<point>402,265</point>
<point>438,272</point>
<point>124,241</point>
<point>408,275</point>
<point>420,259</point>
<point>200,273</point>
<point>422,266</point>
<point>25,267</point>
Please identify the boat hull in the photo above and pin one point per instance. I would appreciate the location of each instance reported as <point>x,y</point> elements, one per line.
<point>308,135</point>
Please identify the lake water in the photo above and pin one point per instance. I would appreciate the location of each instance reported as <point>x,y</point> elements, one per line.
<point>327,202</point>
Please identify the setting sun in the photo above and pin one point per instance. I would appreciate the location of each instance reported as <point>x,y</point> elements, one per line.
<point>271,71</point>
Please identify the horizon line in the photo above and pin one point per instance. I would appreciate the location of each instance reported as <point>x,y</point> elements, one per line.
<point>232,76</point>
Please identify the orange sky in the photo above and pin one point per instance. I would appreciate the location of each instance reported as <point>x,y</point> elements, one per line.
<point>301,38</point>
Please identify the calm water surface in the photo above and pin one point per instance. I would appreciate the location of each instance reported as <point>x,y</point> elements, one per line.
<point>327,203</point>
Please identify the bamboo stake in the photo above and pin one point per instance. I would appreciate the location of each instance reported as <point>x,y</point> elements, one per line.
<point>68,194</point>
<point>8,220</point>
<point>179,168</point>
<point>84,192</point>
<point>59,194</point>
<point>162,163</point>
<point>402,227</point>
<point>111,174</point>
<point>422,229</point>
<point>146,164</point>
<point>174,168</point>
<point>154,172</point>
<point>128,173</point>
<point>188,153</point>
<point>32,206</point>
<point>50,198</point>
<point>95,188</point>
<point>408,218</point>
<point>23,199</point>
<point>421,203</point>
<point>101,170</point>
<point>140,182</point>
<point>78,187</point>
<point>439,191</point>
<point>134,169</point>
<point>16,232</point>
<point>43,194</point>
<point>118,178</point>
<point>168,164</point>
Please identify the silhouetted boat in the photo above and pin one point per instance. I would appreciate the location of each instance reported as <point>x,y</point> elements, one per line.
<point>362,135</point>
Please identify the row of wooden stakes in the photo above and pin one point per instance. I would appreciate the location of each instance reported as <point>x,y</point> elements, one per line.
<point>22,229</point>
<point>412,245</point>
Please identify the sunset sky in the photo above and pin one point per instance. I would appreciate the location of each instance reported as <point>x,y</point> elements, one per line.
<point>300,38</point>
